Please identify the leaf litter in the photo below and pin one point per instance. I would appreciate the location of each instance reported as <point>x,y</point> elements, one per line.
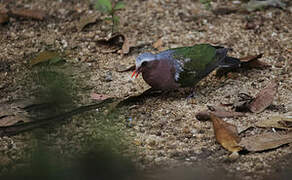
<point>279,122</point>
<point>220,112</point>
<point>264,98</point>
<point>117,43</point>
<point>85,21</point>
<point>52,57</point>
<point>35,14</point>
<point>226,134</point>
<point>266,141</point>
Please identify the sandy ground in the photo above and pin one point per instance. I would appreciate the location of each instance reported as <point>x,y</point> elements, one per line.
<point>165,130</point>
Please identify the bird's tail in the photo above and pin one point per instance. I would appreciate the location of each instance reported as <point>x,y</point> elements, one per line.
<point>230,62</point>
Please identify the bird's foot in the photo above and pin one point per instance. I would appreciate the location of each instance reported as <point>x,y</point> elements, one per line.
<point>194,94</point>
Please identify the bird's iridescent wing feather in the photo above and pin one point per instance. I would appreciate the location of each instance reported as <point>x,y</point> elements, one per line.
<point>197,62</point>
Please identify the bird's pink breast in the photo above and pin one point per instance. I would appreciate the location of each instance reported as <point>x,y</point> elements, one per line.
<point>160,75</point>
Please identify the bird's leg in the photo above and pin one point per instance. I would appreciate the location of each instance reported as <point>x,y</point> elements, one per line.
<point>163,94</point>
<point>151,92</point>
<point>194,93</point>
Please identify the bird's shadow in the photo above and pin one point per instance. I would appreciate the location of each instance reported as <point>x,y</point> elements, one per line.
<point>183,93</point>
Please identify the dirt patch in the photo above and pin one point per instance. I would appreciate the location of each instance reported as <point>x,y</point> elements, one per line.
<point>164,129</point>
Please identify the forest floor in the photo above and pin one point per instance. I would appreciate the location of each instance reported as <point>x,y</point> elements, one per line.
<point>164,133</point>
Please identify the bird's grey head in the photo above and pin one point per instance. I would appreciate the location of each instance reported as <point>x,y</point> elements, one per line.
<point>144,57</point>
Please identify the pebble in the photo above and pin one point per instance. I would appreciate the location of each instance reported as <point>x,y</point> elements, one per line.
<point>108,76</point>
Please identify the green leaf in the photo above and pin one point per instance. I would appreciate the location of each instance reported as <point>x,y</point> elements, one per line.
<point>108,18</point>
<point>119,5</point>
<point>104,6</point>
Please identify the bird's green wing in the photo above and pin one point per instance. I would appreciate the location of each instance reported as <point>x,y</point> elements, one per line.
<point>197,62</point>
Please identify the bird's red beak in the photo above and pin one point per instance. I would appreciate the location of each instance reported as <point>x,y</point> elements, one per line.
<point>137,72</point>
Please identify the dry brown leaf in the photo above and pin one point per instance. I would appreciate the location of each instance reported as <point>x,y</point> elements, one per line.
<point>266,141</point>
<point>264,98</point>
<point>12,113</point>
<point>280,122</point>
<point>3,18</point>
<point>99,97</point>
<point>29,13</point>
<point>223,113</point>
<point>226,134</point>
<point>117,43</point>
<point>127,45</point>
<point>86,20</point>
<point>253,62</point>
<point>12,119</point>
<point>112,44</point>
<point>219,112</point>
<point>158,44</point>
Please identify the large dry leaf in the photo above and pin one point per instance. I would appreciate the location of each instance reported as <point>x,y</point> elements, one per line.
<point>12,119</point>
<point>112,44</point>
<point>226,134</point>
<point>3,18</point>
<point>253,62</point>
<point>219,112</point>
<point>117,43</point>
<point>266,141</point>
<point>86,20</point>
<point>280,122</point>
<point>29,13</point>
<point>264,98</point>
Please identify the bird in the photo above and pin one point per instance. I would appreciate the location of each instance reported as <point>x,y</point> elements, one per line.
<point>183,66</point>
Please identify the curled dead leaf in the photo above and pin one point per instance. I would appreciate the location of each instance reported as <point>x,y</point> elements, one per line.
<point>226,134</point>
<point>127,45</point>
<point>219,112</point>
<point>117,43</point>
<point>264,98</point>
<point>253,62</point>
<point>86,20</point>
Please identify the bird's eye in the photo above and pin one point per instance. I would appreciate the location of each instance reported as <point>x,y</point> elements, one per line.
<point>144,63</point>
